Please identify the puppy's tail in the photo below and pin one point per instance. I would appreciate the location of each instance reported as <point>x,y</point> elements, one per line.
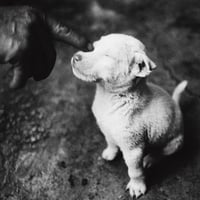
<point>178,91</point>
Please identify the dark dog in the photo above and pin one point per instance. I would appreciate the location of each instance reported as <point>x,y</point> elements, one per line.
<point>26,42</point>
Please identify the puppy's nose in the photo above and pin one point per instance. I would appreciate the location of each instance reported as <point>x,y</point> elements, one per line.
<point>77,58</point>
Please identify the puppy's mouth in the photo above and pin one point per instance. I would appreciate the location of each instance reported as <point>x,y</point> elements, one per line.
<point>83,76</point>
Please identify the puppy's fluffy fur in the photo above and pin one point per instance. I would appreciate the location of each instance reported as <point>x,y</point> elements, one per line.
<point>137,117</point>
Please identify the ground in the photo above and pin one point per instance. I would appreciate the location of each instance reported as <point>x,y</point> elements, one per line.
<point>50,145</point>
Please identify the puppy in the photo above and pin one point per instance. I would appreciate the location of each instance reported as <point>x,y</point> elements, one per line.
<point>137,117</point>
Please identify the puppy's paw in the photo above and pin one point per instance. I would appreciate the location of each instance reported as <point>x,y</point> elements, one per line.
<point>148,161</point>
<point>109,153</point>
<point>136,187</point>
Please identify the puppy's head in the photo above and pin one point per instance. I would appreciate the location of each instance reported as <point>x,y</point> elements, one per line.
<point>117,59</point>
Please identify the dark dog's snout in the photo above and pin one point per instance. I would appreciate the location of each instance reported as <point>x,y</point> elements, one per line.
<point>77,58</point>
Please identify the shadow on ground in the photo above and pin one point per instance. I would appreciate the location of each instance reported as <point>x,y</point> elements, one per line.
<point>50,146</point>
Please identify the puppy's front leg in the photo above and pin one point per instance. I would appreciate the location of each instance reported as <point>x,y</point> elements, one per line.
<point>110,152</point>
<point>133,159</point>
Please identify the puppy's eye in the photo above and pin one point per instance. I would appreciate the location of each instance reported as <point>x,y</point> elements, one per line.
<point>109,56</point>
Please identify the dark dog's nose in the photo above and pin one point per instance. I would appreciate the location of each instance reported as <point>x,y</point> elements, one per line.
<point>77,58</point>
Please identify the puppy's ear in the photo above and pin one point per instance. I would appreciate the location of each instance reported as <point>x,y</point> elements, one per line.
<point>141,65</point>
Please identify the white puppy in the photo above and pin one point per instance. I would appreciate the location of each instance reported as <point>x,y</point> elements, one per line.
<point>138,117</point>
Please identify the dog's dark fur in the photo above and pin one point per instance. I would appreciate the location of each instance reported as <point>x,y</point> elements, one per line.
<point>26,42</point>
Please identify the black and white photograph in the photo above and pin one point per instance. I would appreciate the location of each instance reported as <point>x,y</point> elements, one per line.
<point>99,100</point>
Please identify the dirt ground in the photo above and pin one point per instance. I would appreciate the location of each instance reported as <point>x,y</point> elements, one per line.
<point>50,145</point>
